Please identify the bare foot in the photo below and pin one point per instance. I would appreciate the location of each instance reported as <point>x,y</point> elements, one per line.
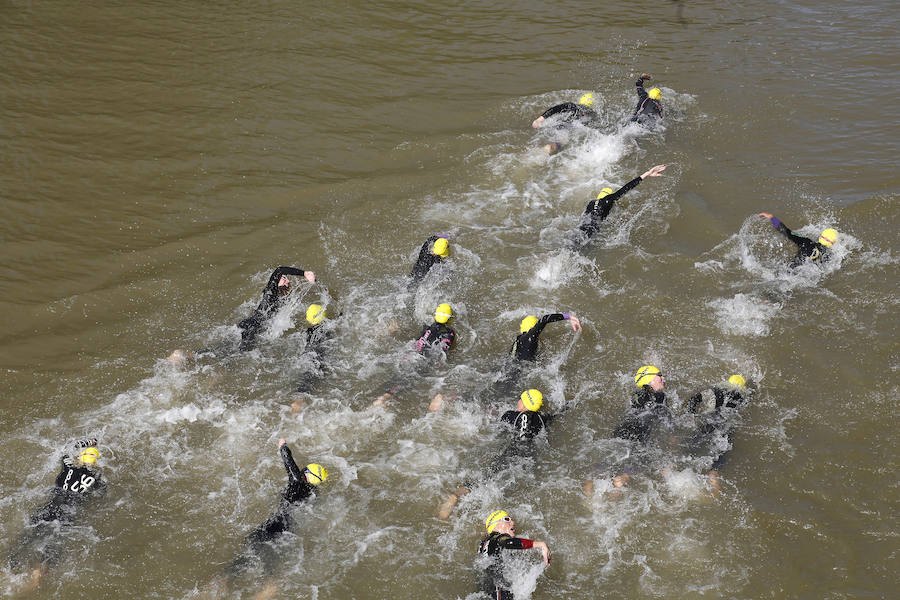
<point>267,592</point>
<point>36,575</point>
<point>552,148</point>
<point>381,401</point>
<point>436,403</point>
<point>180,359</point>
<point>588,488</point>
<point>621,480</point>
<point>715,483</point>
<point>296,405</point>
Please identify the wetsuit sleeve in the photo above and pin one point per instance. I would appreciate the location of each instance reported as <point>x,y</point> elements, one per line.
<point>509,418</point>
<point>639,85</point>
<point>516,543</point>
<point>425,260</point>
<point>565,107</point>
<point>805,244</point>
<point>545,320</point>
<point>293,471</point>
<point>270,292</point>
<point>448,339</point>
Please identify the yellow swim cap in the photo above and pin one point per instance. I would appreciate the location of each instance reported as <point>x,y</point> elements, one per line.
<point>441,247</point>
<point>828,237</point>
<point>587,99</point>
<point>737,381</point>
<point>527,323</point>
<point>654,94</point>
<point>443,313</point>
<point>532,399</point>
<point>604,193</point>
<point>89,456</point>
<point>494,518</point>
<point>315,314</point>
<point>645,375</point>
<point>315,473</point>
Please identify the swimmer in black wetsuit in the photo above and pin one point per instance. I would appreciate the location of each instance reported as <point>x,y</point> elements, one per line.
<point>648,413</point>
<point>318,333</point>
<point>717,409</point>
<point>568,113</point>
<point>434,250</point>
<point>501,530</point>
<point>807,249</point>
<point>276,288</point>
<point>41,546</point>
<point>300,488</point>
<point>522,425</point>
<point>648,109</point>
<point>649,409</point>
<point>597,210</point>
<point>526,345</point>
<point>438,335</point>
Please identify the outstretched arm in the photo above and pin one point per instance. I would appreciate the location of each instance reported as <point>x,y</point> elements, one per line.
<point>293,471</point>
<point>545,551</point>
<point>799,240</point>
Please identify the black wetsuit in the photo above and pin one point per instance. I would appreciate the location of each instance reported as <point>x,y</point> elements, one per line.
<point>719,408</point>
<point>648,413</point>
<point>526,345</point>
<point>271,301</point>
<point>436,335</point>
<point>647,110</point>
<point>424,263</point>
<point>597,210</point>
<point>41,542</point>
<point>492,580</point>
<point>258,541</point>
<point>806,248</point>
<point>569,113</point>
<point>525,425</point>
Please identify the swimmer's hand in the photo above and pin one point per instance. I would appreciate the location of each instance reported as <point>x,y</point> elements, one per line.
<point>654,172</point>
<point>765,216</point>
<point>576,324</point>
<point>281,442</point>
<point>310,276</point>
<point>645,76</point>
<point>545,551</point>
<point>537,123</point>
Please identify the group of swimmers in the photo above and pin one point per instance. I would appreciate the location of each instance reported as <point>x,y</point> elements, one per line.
<point>40,548</point>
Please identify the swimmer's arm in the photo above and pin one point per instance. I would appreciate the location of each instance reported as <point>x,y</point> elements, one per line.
<point>641,92</point>
<point>560,108</point>
<point>293,471</point>
<point>780,227</point>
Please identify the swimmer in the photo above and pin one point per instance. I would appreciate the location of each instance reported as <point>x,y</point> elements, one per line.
<point>439,334</point>
<point>648,109</point>
<point>434,250</point>
<point>40,546</point>
<point>501,530</point>
<point>301,487</point>
<point>597,210</point>
<point>277,287</point>
<point>522,424</point>
<point>526,345</point>
<point>816,252</point>
<point>649,408</point>
<point>569,113</point>
<point>717,409</point>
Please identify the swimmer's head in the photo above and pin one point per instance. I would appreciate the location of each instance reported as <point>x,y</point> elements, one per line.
<point>527,323</point>
<point>441,247</point>
<point>89,455</point>
<point>737,381</point>
<point>586,99</point>
<point>180,359</point>
<point>654,94</point>
<point>646,375</point>
<point>828,237</point>
<point>315,474</point>
<point>315,314</point>
<point>532,399</point>
<point>496,518</point>
<point>443,313</point>
<point>604,193</point>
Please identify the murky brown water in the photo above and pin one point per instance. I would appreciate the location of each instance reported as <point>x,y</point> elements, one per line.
<point>159,161</point>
